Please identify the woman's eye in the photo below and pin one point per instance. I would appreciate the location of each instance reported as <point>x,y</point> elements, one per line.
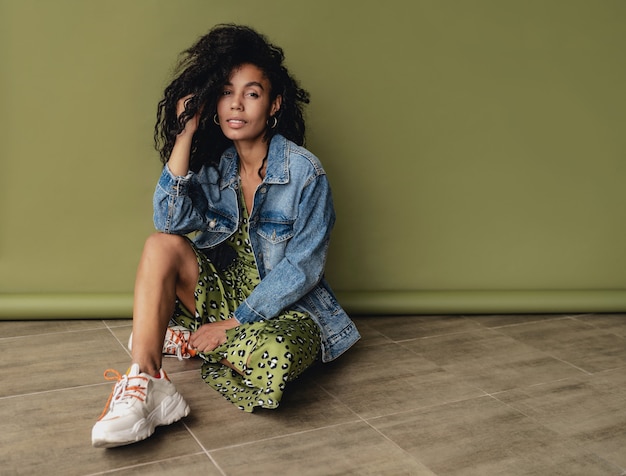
<point>225,93</point>
<point>253,94</point>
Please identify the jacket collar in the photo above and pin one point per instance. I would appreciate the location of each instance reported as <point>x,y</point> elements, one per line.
<point>277,170</point>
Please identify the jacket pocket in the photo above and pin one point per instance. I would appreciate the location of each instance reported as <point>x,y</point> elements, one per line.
<point>275,231</point>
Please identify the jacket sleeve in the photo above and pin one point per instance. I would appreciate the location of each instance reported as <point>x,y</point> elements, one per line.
<point>302,266</point>
<point>177,209</point>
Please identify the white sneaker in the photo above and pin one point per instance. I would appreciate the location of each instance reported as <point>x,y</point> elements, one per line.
<point>137,404</point>
<point>176,343</point>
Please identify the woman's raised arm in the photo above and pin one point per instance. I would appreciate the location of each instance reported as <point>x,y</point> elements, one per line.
<point>178,162</point>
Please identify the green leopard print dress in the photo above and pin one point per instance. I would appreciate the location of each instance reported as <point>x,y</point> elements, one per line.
<point>268,353</point>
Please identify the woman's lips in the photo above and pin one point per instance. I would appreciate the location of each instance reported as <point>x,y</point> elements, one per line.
<point>236,123</point>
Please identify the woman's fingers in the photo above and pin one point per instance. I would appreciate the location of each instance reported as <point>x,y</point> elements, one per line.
<point>208,337</point>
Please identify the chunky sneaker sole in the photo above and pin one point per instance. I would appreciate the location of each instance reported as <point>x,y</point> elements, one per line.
<point>169,411</point>
<point>137,405</point>
<point>175,344</point>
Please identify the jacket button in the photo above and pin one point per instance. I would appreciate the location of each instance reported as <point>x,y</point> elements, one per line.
<point>263,190</point>
<point>212,224</point>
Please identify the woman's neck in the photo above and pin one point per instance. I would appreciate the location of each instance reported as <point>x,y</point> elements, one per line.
<point>251,158</point>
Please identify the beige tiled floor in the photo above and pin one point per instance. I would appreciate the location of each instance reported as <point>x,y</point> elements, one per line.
<point>418,395</point>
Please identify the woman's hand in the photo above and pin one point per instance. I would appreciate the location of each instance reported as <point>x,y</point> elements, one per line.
<point>191,126</point>
<point>210,336</point>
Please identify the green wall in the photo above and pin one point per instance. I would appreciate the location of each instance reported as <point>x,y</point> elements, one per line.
<point>476,148</point>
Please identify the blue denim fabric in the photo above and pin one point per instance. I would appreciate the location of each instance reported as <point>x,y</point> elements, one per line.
<point>290,229</point>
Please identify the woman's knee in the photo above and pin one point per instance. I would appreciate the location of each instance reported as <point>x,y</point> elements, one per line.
<point>170,251</point>
<point>166,243</point>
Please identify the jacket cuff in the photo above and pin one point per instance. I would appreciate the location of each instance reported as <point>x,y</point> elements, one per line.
<point>245,314</point>
<point>175,185</point>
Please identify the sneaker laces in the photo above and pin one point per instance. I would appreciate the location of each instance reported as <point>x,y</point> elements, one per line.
<point>176,344</point>
<point>123,390</point>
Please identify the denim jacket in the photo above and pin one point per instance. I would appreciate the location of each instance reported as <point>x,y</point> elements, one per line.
<point>290,227</point>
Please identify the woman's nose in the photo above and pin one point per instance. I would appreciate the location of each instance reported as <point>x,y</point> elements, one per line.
<point>235,104</point>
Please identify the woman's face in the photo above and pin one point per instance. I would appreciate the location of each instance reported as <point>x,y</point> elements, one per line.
<point>244,105</point>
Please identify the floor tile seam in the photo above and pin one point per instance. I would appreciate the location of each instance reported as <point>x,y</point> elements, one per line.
<point>424,356</point>
<point>69,331</point>
<point>588,325</point>
<point>376,344</point>
<point>536,420</point>
<point>204,449</point>
<point>127,322</point>
<point>338,400</point>
<point>519,324</point>
<point>122,344</point>
<point>564,437</point>
<point>594,326</point>
<point>284,435</point>
<point>586,379</point>
<point>434,336</point>
<point>544,351</point>
<point>608,331</point>
<point>425,407</point>
<point>586,372</point>
<point>521,412</point>
<point>471,331</point>
<point>53,390</point>
<point>468,384</point>
<point>77,387</point>
<point>605,371</point>
<point>583,372</point>
<point>612,369</point>
<point>617,466</point>
<point>538,384</point>
<point>368,422</point>
<point>141,465</point>
<point>365,420</point>
<point>396,445</point>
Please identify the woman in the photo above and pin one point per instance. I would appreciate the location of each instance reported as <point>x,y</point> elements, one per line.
<point>247,295</point>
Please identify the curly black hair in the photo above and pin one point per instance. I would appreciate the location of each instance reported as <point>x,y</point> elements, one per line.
<point>203,70</point>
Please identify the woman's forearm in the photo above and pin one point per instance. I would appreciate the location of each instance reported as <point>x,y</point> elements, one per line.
<point>179,159</point>
<point>181,152</point>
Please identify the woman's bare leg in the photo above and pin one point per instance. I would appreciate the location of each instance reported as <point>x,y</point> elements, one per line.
<point>168,269</point>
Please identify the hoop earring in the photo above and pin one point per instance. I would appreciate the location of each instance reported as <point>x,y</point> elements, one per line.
<point>275,122</point>
<point>216,120</point>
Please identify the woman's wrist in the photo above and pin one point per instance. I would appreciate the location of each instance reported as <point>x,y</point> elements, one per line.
<point>179,158</point>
